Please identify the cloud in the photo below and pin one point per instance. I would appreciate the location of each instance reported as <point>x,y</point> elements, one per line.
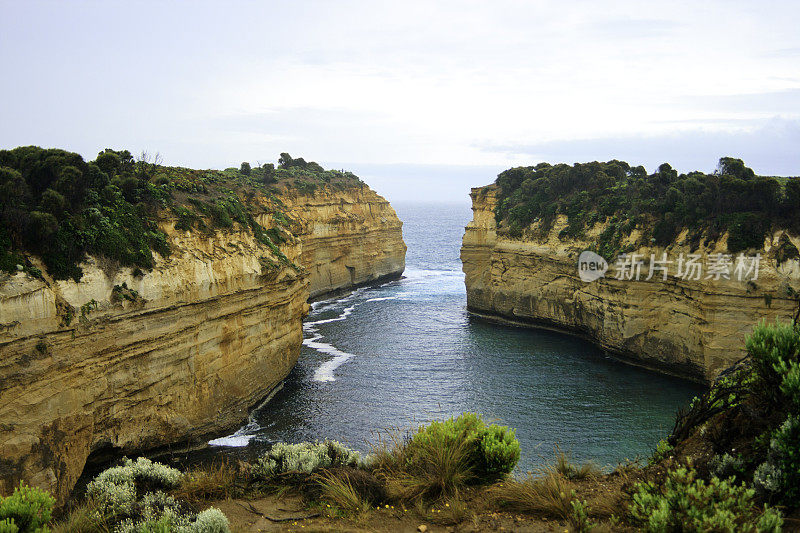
<point>457,88</point>
<point>632,28</point>
<point>782,52</point>
<point>785,101</point>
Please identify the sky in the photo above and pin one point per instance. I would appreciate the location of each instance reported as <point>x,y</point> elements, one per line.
<point>422,99</point>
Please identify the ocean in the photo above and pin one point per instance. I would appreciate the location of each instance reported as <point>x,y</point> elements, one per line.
<point>400,354</point>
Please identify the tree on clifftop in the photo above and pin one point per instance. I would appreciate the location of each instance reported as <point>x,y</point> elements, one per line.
<point>285,160</point>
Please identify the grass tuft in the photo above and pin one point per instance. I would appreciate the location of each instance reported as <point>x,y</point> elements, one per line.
<point>85,518</point>
<point>206,483</point>
<point>430,470</point>
<point>550,495</point>
<point>571,471</point>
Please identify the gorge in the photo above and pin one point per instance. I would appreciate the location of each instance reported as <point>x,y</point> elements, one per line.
<point>123,360</point>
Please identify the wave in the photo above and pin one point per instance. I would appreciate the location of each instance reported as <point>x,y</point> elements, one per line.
<point>234,441</point>
<point>343,316</point>
<point>324,372</point>
<point>242,436</point>
<point>419,274</point>
<point>322,305</point>
<point>360,296</point>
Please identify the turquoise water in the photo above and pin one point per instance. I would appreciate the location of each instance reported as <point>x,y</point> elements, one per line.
<point>407,352</point>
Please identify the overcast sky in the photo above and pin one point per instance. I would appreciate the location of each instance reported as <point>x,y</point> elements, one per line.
<point>421,99</point>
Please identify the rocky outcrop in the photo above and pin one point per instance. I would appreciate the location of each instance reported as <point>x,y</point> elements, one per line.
<point>692,328</point>
<point>348,238</point>
<point>124,363</point>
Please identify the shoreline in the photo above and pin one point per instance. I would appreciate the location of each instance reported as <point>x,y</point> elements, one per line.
<point>632,359</point>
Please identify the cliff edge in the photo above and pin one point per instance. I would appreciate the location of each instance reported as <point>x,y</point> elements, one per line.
<point>688,327</point>
<point>126,359</point>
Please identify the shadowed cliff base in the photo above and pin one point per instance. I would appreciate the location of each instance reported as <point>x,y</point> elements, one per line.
<point>691,373</point>
<point>343,291</point>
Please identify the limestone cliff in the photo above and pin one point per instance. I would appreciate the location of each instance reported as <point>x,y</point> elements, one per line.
<point>685,327</point>
<point>125,363</point>
<point>347,237</point>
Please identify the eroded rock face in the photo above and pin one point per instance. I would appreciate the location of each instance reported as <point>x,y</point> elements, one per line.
<point>126,363</point>
<point>348,238</point>
<point>689,328</point>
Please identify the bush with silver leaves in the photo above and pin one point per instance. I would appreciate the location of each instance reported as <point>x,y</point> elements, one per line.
<point>115,489</point>
<point>305,458</point>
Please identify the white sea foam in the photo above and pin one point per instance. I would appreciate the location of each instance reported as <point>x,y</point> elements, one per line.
<point>233,441</point>
<point>419,274</point>
<point>343,316</point>
<point>325,371</point>
<point>245,434</point>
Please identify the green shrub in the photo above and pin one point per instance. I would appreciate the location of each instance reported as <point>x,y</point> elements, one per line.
<point>442,458</point>
<point>733,199</point>
<point>790,383</point>
<point>275,235</point>
<point>8,526</point>
<point>767,480</point>
<point>305,457</point>
<point>727,466</point>
<point>775,353</point>
<point>436,463</point>
<point>780,474</point>
<point>211,520</point>
<point>492,451</point>
<point>579,519</point>
<point>60,207</point>
<point>686,503</point>
<point>128,499</point>
<point>500,449</point>
<point>219,216</point>
<point>186,218</point>
<point>745,231</point>
<point>27,510</point>
<point>662,451</point>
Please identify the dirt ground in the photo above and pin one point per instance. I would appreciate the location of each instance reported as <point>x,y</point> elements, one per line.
<point>287,513</point>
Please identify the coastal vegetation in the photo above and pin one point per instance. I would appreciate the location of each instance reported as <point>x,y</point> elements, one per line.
<point>730,464</point>
<point>57,206</point>
<point>733,199</point>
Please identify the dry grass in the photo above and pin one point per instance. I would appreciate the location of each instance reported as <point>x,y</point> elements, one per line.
<point>84,518</point>
<point>548,495</point>
<point>429,471</point>
<point>552,489</point>
<point>449,512</point>
<point>566,468</point>
<point>205,483</point>
<point>337,490</point>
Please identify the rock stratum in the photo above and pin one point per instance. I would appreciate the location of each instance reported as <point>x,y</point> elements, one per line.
<point>689,328</point>
<point>123,362</point>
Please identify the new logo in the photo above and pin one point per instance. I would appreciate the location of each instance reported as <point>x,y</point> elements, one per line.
<point>591,266</point>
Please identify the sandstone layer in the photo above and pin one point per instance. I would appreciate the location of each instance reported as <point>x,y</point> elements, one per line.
<point>691,328</point>
<point>347,238</point>
<point>122,364</point>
